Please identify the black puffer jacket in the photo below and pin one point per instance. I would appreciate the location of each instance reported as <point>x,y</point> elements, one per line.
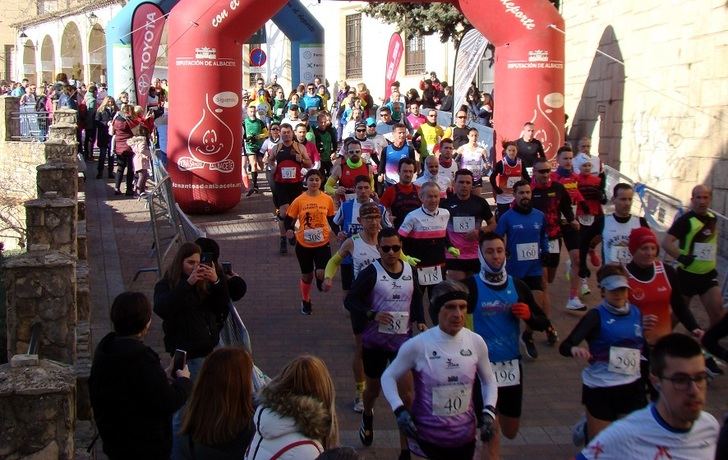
<point>190,322</point>
<point>132,399</point>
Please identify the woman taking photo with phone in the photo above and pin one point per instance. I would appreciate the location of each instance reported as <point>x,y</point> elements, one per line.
<point>192,300</point>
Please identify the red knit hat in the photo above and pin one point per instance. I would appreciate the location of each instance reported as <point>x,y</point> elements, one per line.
<point>640,236</point>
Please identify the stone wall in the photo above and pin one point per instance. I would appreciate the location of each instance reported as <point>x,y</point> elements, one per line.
<point>662,117</point>
<point>18,162</point>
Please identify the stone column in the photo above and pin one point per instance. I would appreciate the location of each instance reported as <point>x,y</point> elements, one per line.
<point>51,223</point>
<point>41,288</point>
<point>65,116</point>
<point>9,119</point>
<point>60,150</point>
<point>58,177</point>
<point>37,409</point>
<point>63,131</point>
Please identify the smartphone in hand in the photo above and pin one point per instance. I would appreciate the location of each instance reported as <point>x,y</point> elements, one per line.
<point>206,258</point>
<point>179,361</point>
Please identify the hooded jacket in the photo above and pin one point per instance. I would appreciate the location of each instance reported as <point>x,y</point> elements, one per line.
<point>291,425</point>
<point>132,399</point>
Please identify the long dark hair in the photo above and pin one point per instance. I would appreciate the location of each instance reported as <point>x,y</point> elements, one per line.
<point>221,404</point>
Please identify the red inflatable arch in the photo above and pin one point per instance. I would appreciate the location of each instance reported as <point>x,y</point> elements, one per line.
<point>205,72</point>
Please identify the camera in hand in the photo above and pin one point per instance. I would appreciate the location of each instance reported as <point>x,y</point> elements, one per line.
<point>179,361</point>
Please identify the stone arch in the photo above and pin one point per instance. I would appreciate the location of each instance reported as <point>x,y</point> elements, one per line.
<point>204,145</point>
<point>47,60</point>
<point>29,64</point>
<point>72,51</point>
<point>97,54</point>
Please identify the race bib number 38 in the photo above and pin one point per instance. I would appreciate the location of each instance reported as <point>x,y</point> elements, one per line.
<point>507,373</point>
<point>398,324</point>
<point>624,360</point>
<point>450,400</point>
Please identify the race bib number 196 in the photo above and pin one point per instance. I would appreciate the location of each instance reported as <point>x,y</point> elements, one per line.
<point>507,373</point>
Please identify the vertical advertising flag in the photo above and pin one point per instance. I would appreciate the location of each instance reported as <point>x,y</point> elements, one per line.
<point>147,24</point>
<point>468,56</point>
<point>394,56</point>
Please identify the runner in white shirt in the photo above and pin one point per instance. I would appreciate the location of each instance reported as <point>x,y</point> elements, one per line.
<point>675,427</point>
<point>444,361</point>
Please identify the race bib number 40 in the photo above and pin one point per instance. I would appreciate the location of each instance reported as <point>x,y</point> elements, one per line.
<point>427,276</point>
<point>527,251</point>
<point>451,400</point>
<point>624,360</point>
<point>398,324</point>
<point>507,373</point>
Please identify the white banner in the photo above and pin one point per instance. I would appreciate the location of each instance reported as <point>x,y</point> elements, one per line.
<point>468,58</point>
<point>311,62</point>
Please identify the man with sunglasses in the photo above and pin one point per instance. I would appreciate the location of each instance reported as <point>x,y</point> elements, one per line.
<point>551,198</point>
<point>343,176</point>
<point>385,304</point>
<point>311,102</point>
<point>459,132</point>
<point>675,427</point>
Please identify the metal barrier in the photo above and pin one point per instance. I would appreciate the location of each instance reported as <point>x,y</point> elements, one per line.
<point>33,124</point>
<point>170,225</point>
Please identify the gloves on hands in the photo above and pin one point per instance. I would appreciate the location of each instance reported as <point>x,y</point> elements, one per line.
<point>686,259</point>
<point>412,261</point>
<point>521,311</point>
<point>487,430</point>
<point>405,422</point>
<point>455,252</point>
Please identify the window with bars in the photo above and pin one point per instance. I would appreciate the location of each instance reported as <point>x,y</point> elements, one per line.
<point>353,46</point>
<point>414,56</point>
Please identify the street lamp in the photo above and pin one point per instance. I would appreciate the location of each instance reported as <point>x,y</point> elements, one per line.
<point>92,19</point>
<point>22,34</point>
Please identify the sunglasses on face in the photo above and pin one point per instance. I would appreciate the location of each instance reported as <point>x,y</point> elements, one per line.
<point>275,129</point>
<point>394,248</point>
<point>461,117</point>
<point>543,171</point>
<point>360,130</point>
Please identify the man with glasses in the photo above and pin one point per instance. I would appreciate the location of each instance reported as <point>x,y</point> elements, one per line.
<point>675,427</point>
<point>385,125</point>
<point>385,304</point>
<point>459,132</point>
<point>427,135</point>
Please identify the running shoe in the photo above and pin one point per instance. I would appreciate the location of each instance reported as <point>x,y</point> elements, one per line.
<point>358,405</point>
<point>551,335</point>
<point>306,307</point>
<point>578,432</point>
<point>319,284</point>
<point>284,247</point>
<point>366,431</point>
<point>529,347</point>
<point>594,258</point>
<point>712,367</point>
<point>584,290</point>
<point>574,304</point>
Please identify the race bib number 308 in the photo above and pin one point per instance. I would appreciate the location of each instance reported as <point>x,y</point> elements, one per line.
<point>451,400</point>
